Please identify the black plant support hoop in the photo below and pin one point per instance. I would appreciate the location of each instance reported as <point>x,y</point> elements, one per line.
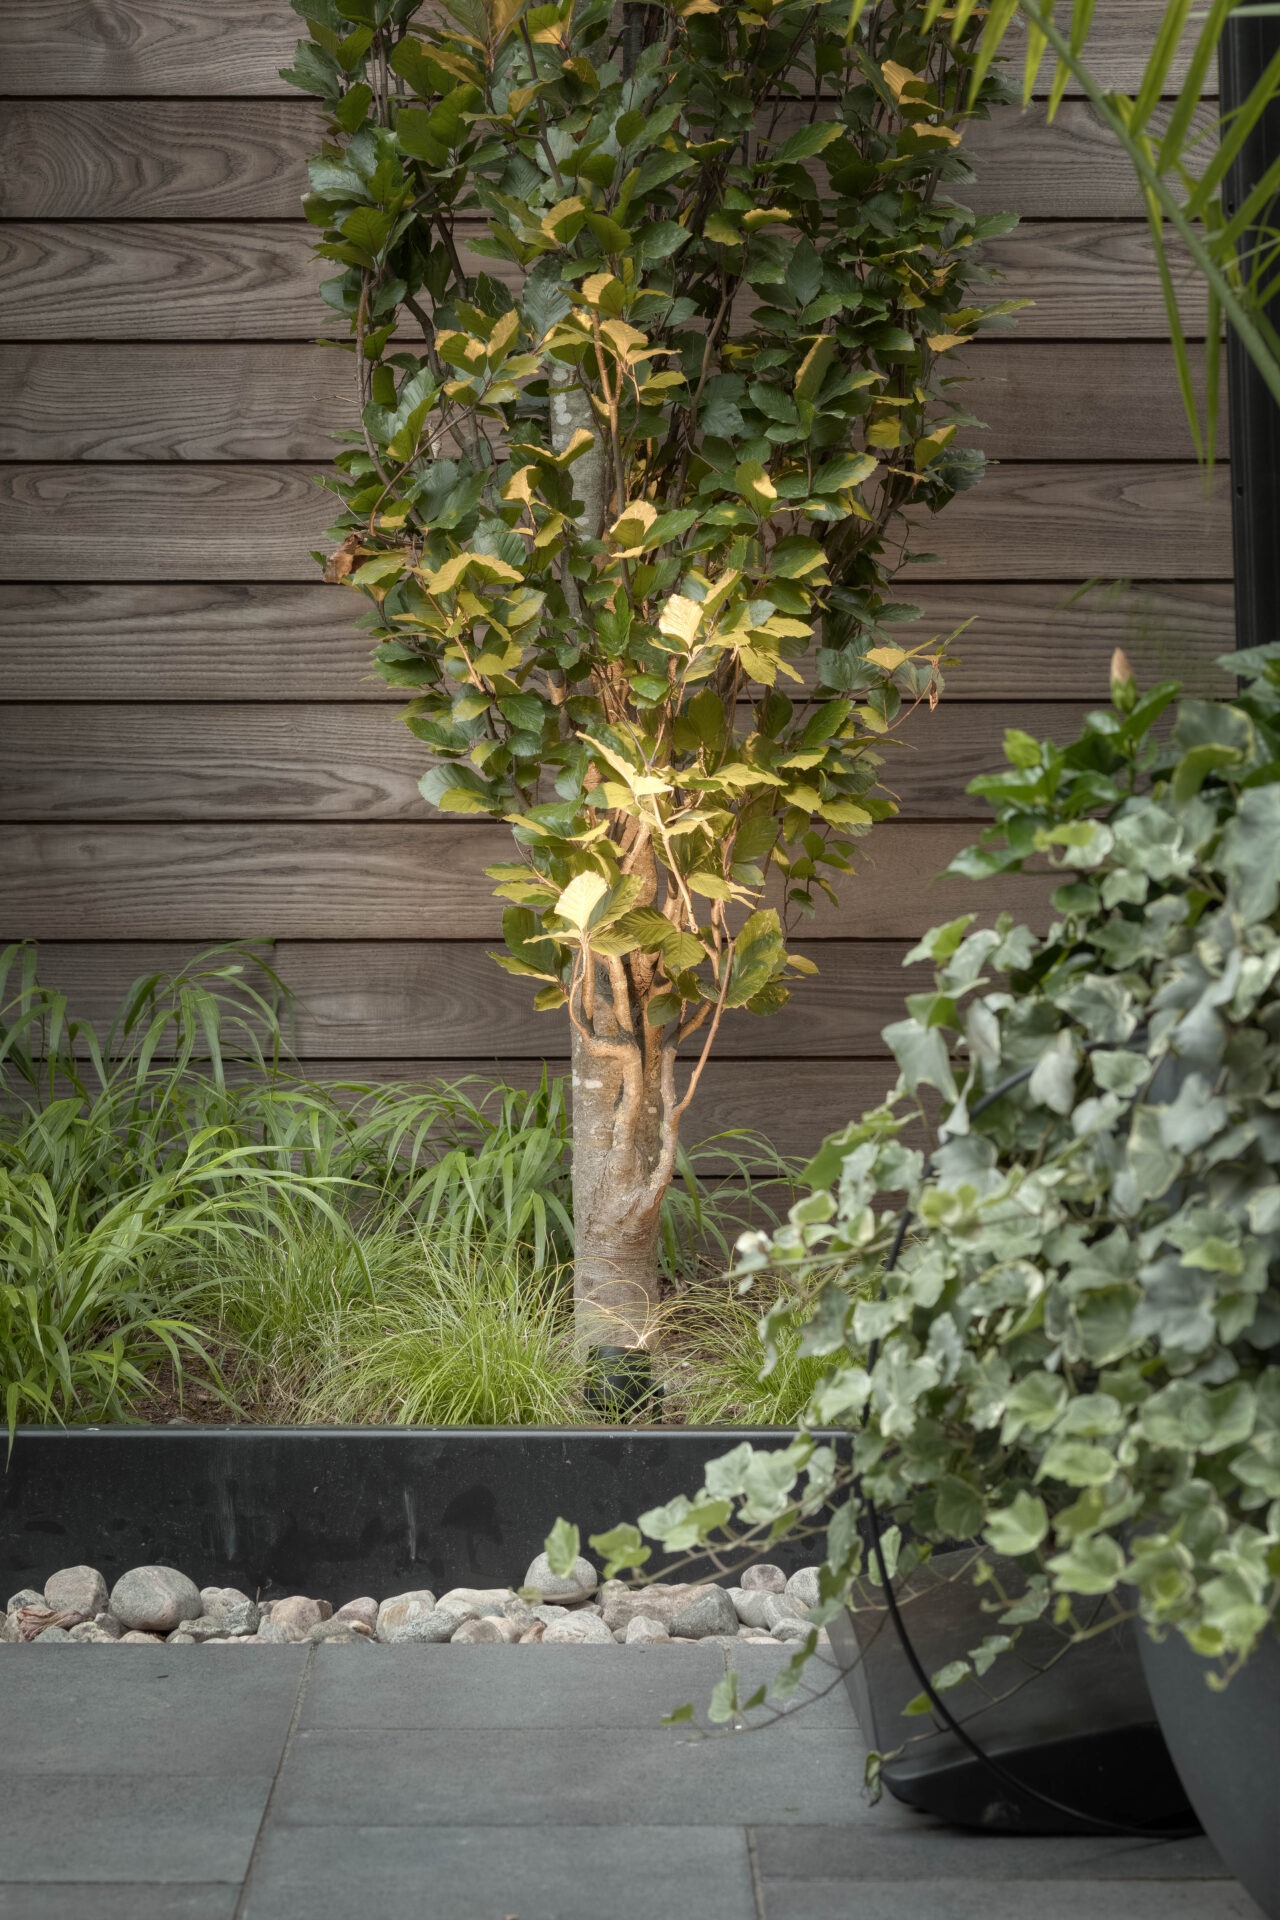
<point>994,1767</point>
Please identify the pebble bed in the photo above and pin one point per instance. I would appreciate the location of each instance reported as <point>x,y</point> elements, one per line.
<point>160,1605</point>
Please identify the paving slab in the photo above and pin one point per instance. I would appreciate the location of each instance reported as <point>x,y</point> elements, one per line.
<point>488,1872</point>
<point>557,1776</point>
<point>151,1710</point>
<point>92,1900</point>
<point>1005,1900</point>
<point>821,1701</point>
<point>924,1847</point>
<point>182,1827</point>
<point>483,1686</point>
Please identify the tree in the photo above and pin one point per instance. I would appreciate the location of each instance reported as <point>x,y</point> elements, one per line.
<point>618,489</point>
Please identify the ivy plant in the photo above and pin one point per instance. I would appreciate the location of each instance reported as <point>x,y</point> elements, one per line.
<point>653,315</point>
<point>1070,1358</point>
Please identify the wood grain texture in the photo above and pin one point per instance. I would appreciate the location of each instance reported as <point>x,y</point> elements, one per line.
<point>157,159</point>
<point>385,882</point>
<point>414,1000</point>
<point>190,48</point>
<point>246,160</point>
<point>76,280</point>
<point>233,521</point>
<point>1100,400</point>
<point>72,762</point>
<point>244,642</point>
<point>246,280</point>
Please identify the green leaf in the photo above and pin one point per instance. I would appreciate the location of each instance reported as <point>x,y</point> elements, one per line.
<point>1018,1528</point>
<point>1092,1565</point>
<point>562,1547</point>
<point>806,143</point>
<point>621,1549</point>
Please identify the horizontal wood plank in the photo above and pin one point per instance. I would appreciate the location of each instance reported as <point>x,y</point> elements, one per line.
<point>229,522</point>
<point>190,48</point>
<point>275,763</point>
<point>246,160</point>
<point>61,641</point>
<point>245,280</point>
<point>1103,400</point>
<point>157,159</point>
<point>216,882</point>
<point>412,1000</point>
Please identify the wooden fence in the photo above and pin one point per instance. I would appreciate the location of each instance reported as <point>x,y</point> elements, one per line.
<point>191,748</point>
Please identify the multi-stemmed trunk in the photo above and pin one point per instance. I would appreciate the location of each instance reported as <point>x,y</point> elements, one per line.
<point>618,1186</point>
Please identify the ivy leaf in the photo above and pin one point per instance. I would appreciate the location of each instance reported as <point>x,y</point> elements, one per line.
<point>1018,1528</point>
<point>562,1547</point>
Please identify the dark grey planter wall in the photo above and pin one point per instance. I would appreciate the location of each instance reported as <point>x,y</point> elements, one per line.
<point>1226,1747</point>
<point>336,1511</point>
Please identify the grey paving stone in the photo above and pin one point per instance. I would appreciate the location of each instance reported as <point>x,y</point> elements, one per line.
<point>447,1686</point>
<point>91,1900</point>
<point>566,1777</point>
<point>822,1700</point>
<point>483,1873</point>
<point>124,1827</point>
<point>149,1710</point>
<point>885,1849</point>
<point>1007,1900</point>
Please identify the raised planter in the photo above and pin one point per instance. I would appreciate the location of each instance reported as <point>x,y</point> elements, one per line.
<point>324,1509</point>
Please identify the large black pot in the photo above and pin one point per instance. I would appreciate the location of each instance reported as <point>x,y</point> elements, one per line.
<point>1076,1729</point>
<point>1226,1747</point>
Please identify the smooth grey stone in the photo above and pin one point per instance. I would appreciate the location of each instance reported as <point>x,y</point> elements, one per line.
<point>549,1614</point>
<point>88,1630</point>
<point>337,1632</point>
<point>478,1600</point>
<point>802,1587</point>
<point>155,1599</point>
<point>790,1631</point>
<point>486,1631</point>
<point>281,1634</point>
<point>239,1613</point>
<point>706,1610</point>
<point>427,1629</point>
<point>750,1606</point>
<point>578,1630</point>
<point>542,1776</point>
<point>24,1597</point>
<point>763,1578</point>
<point>408,1688</point>
<point>564,1589</point>
<point>643,1631</point>
<point>51,1636</point>
<point>401,1610</point>
<point>301,1611</point>
<point>364,1609</point>
<point>462,1872</point>
<point>76,1590</point>
<point>233,1624</point>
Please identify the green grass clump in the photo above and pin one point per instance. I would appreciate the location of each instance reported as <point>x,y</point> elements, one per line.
<point>715,1358</point>
<point>179,1214</point>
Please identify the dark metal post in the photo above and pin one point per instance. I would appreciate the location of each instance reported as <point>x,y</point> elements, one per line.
<point>1247,47</point>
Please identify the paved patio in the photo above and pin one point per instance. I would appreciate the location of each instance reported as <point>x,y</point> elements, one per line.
<point>492,1783</point>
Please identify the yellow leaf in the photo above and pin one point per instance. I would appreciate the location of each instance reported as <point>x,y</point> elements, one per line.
<point>631,526</point>
<point>886,657</point>
<point>580,899</point>
<point>943,342</point>
<point>680,618</point>
<point>900,80</point>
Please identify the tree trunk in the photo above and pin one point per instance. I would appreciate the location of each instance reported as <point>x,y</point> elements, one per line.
<point>616,1210</point>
